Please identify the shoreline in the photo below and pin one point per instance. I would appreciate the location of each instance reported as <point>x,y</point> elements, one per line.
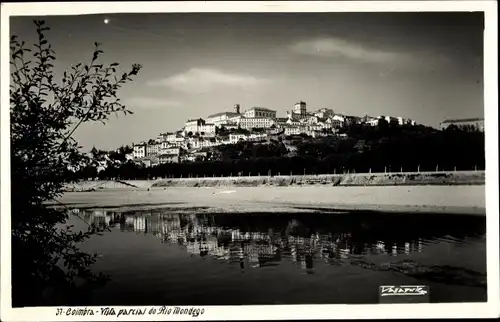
<point>458,178</point>
<point>460,200</point>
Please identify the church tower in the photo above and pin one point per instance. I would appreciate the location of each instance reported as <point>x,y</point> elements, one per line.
<point>300,108</point>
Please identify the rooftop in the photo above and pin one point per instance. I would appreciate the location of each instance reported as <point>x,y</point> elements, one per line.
<point>261,108</point>
<point>195,120</point>
<point>224,113</point>
<point>256,118</point>
<point>168,155</point>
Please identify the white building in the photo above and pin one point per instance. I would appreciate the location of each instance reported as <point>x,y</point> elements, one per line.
<point>195,126</point>
<point>372,122</point>
<point>292,122</point>
<point>336,120</point>
<point>390,119</point>
<point>224,118</point>
<point>150,161</point>
<point>169,158</point>
<point>314,127</point>
<point>170,149</point>
<point>206,129</point>
<point>173,140</point>
<point>198,143</point>
<point>140,151</point>
<point>293,130</point>
<point>195,155</point>
<point>403,121</point>
<point>279,121</point>
<point>311,120</point>
<point>153,149</point>
<point>325,125</point>
<point>231,125</point>
<point>316,134</point>
<point>255,122</point>
<point>324,113</point>
<point>235,138</point>
<point>260,112</point>
<point>257,137</point>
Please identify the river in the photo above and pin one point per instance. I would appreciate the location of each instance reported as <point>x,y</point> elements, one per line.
<point>165,257</point>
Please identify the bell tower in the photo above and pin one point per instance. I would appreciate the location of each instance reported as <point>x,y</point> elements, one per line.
<point>300,108</point>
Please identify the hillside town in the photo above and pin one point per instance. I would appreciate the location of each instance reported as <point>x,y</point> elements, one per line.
<point>256,124</point>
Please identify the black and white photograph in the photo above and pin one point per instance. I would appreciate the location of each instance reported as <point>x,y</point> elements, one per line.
<point>164,164</point>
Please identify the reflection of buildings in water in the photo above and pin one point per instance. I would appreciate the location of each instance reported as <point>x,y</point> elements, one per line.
<point>380,247</point>
<point>193,248</point>
<point>207,247</point>
<point>293,252</point>
<point>333,247</point>
<point>140,224</point>
<point>181,238</point>
<point>394,250</point>
<point>99,213</point>
<point>128,223</point>
<point>98,218</point>
<point>344,253</point>
<point>253,259</point>
<point>202,238</point>
<point>235,234</point>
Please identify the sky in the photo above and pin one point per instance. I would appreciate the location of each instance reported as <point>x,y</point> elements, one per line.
<point>424,66</point>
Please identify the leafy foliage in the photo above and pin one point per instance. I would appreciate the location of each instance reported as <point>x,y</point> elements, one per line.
<point>45,113</point>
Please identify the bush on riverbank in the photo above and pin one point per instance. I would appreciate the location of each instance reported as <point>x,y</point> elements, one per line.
<point>45,111</point>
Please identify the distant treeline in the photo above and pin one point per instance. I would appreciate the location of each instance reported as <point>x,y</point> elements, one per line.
<point>386,147</point>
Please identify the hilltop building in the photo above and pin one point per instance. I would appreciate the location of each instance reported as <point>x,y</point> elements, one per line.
<point>255,122</point>
<point>225,118</point>
<point>140,150</point>
<point>471,123</point>
<point>153,148</point>
<point>260,112</point>
<point>198,126</point>
<point>324,113</point>
<point>299,111</point>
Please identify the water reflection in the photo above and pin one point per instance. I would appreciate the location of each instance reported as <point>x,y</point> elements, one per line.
<point>305,240</point>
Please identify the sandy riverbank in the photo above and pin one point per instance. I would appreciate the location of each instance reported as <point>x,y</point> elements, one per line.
<point>348,180</point>
<point>408,199</point>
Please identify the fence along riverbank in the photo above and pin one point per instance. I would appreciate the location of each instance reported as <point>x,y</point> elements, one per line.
<point>353,179</point>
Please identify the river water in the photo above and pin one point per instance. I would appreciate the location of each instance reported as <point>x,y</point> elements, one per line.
<point>161,257</point>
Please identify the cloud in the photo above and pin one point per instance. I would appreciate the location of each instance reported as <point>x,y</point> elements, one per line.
<point>151,102</point>
<point>206,79</point>
<point>337,47</point>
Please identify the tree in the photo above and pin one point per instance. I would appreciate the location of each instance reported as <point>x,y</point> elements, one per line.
<point>45,113</point>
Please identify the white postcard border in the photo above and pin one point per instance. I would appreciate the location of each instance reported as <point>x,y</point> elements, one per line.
<point>278,312</point>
